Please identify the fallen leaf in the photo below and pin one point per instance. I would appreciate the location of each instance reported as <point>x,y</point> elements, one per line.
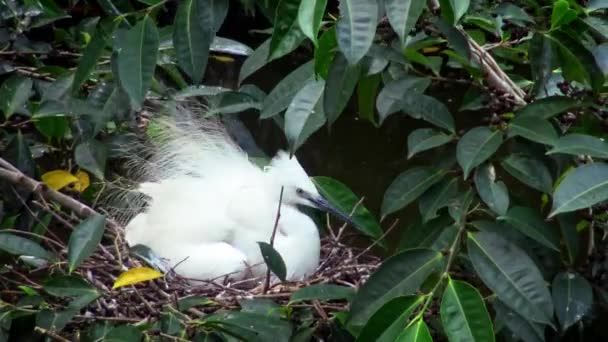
<point>136,275</point>
<point>58,179</point>
<point>83,181</point>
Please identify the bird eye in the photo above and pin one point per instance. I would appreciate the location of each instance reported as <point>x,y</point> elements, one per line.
<point>299,191</point>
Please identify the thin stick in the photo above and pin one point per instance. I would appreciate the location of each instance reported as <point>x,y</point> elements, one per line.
<point>274,233</point>
<point>50,334</point>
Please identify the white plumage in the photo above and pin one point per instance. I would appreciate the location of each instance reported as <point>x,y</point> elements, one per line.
<point>208,206</point>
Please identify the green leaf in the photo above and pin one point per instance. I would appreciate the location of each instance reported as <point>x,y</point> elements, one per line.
<point>529,222</point>
<point>530,171</point>
<point>230,47</point>
<point>408,186</point>
<point>386,323</point>
<point>418,234</point>
<point>453,10</point>
<point>437,197</point>
<point>572,297</point>
<point>91,155</point>
<point>123,333</point>
<point>567,225</point>
<point>367,88</point>
<point>273,260</point>
<point>249,326</point>
<point>463,313</point>
<point>19,154</point>
<point>533,128</point>
<point>17,245</point>
<point>219,10</point>
<point>525,329</point>
<point>280,97</point>
<point>255,61</point>
<point>494,194</point>
<point>137,51</point>
<point>310,15</point>
<point>423,139</point>
<point>52,126</point>
<point>15,92</point>
<point>55,320</point>
<point>401,274</point>
<point>577,63</point>
<point>584,187</point>
<point>543,60</point>
<point>84,240</point>
<point>403,15</point>
<point>389,99</point>
<point>476,146</point>
<point>356,28</point>
<point>581,144</point>
<point>511,274</point>
<point>91,55</point>
<point>341,82</point>
<point>548,107</point>
<point>417,332</point>
<point>71,286</point>
<point>322,292</point>
<point>458,42</point>
<point>325,52</point>
<point>562,14</point>
<point>193,33</point>
<point>286,35</point>
<point>305,114</point>
<point>341,197</point>
<point>428,108</point>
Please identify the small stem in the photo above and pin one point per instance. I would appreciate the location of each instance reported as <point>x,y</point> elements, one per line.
<point>274,233</point>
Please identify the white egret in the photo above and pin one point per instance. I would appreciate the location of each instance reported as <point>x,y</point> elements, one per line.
<point>208,206</point>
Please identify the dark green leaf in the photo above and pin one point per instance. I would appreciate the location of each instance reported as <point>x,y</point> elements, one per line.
<point>18,153</point>
<point>521,327</point>
<point>419,235</point>
<point>401,274</point>
<point>530,171</point>
<point>494,194</point>
<point>305,113</point>
<point>310,15</point>
<point>280,97</point>
<point>273,260</point>
<point>322,292</point>
<point>341,197</point>
<point>403,15</point>
<point>519,284</point>
<point>84,239</point>
<point>456,38</point>
<point>530,223</point>
<point>476,146</point>
<point>356,28</point>
<point>251,326</point>
<point>386,323</point>
<point>584,187</point>
<point>578,63</point>
<point>15,92</point>
<point>325,52</point>
<point>52,126</point>
<point>219,10</point>
<point>533,128</point>
<point>408,186</point>
<point>567,225</point>
<point>367,88</point>
<point>581,144</point>
<point>286,35</point>
<point>124,333</point>
<point>453,10</point>
<point>429,109</point>
<point>255,61</point>
<point>437,197</point>
<point>543,60</point>
<point>17,245</point>
<point>389,99</point>
<point>464,314</point>
<point>72,286</point>
<point>91,155</point>
<point>417,332</point>
<point>423,139</point>
<point>341,82</point>
<point>183,304</point>
<point>91,54</point>
<point>548,107</point>
<point>55,320</point>
<point>572,297</point>
<point>192,37</point>
<point>137,51</point>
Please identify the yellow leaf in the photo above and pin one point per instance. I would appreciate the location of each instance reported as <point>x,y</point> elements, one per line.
<point>83,181</point>
<point>136,275</point>
<point>223,59</point>
<point>431,49</point>
<point>58,179</point>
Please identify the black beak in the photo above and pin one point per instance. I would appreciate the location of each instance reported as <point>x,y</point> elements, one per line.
<point>323,204</point>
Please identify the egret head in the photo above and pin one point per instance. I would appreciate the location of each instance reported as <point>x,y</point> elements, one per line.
<point>298,189</point>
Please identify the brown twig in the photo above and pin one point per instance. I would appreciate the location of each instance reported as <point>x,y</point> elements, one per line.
<point>274,233</point>
<point>50,334</point>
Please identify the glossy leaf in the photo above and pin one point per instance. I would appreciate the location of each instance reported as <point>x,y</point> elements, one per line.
<point>572,297</point>
<point>418,234</point>
<point>437,197</point>
<point>280,97</point>
<point>387,323</point>
<point>401,274</point>
<point>340,196</point>
<point>533,128</point>
<point>453,10</point>
<point>255,61</point>
<point>463,313</point>
<point>137,51</point>
<point>476,146</point>
<point>429,109</point>
<point>530,223</point>
<point>389,99</point>
<point>403,15</point>
<point>549,107</point>
<point>286,34</point>
<point>581,144</point>
<point>521,327</point>
<point>310,15</point>
<point>494,194</point>
<point>511,274</point>
<point>273,260</point>
<point>304,114</point>
<point>584,187</point>
<point>356,28</point>
<point>341,82</point>
<point>417,332</point>
<point>408,186</point>
<point>84,240</point>
<point>192,36</point>
<point>424,139</point>
<point>18,245</point>
<point>91,156</point>
<point>530,171</point>
<point>14,92</point>
<point>322,292</point>
<point>136,275</point>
